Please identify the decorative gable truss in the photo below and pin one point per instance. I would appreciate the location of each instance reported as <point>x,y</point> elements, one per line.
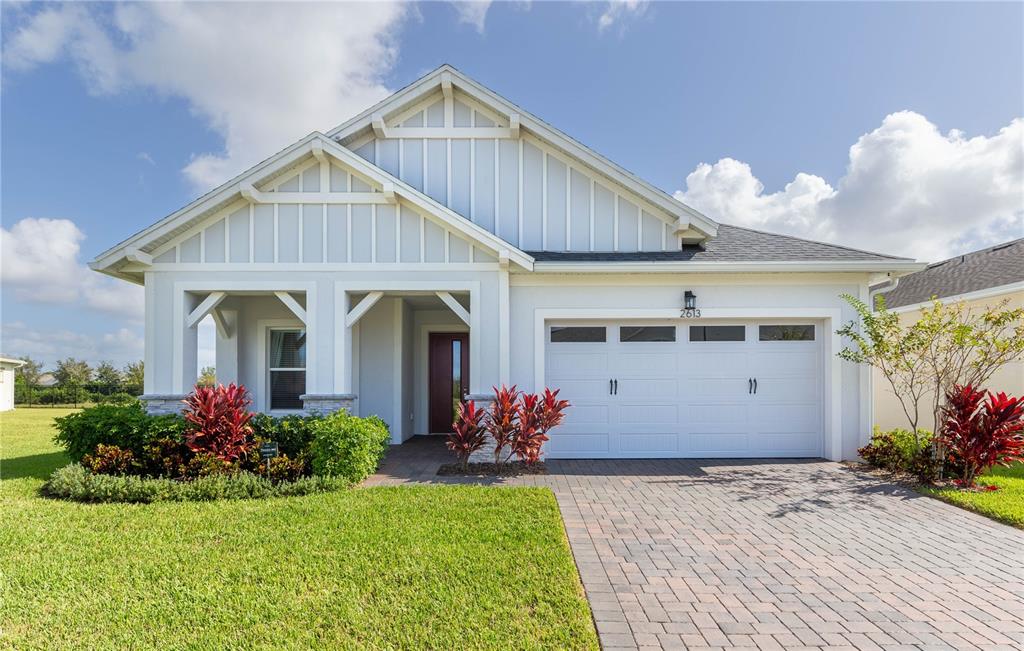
<point>495,167</point>
<point>323,205</point>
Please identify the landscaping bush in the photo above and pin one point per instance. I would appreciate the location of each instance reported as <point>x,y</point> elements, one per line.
<point>896,450</point>
<point>468,433</point>
<point>348,446</point>
<point>292,433</point>
<point>75,482</point>
<point>111,460</point>
<point>981,431</point>
<point>125,425</point>
<point>218,420</point>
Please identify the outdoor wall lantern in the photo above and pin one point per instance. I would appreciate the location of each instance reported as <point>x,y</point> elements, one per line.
<point>689,300</point>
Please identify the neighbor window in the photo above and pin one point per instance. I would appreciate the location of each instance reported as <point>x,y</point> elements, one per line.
<point>578,334</point>
<point>287,368</point>
<point>786,333</point>
<point>718,333</point>
<point>647,333</point>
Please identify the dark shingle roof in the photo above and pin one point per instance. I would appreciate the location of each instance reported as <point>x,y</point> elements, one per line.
<point>732,244</point>
<point>998,265</point>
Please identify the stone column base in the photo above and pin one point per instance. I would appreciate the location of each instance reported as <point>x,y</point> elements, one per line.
<point>326,403</point>
<point>161,404</point>
<point>486,453</point>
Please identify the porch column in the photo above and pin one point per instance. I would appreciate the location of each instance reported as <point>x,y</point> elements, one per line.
<point>226,322</point>
<point>170,370</point>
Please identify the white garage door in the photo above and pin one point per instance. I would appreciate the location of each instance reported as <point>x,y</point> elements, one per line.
<point>704,390</point>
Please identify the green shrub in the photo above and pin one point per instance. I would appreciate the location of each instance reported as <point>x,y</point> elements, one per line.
<point>74,482</point>
<point>897,450</point>
<point>111,460</point>
<point>126,425</point>
<point>348,446</point>
<point>292,433</point>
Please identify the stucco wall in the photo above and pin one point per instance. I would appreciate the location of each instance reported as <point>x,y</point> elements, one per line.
<point>6,389</point>
<point>1010,379</point>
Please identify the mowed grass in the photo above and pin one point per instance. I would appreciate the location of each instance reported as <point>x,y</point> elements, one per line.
<point>1005,504</point>
<point>403,567</point>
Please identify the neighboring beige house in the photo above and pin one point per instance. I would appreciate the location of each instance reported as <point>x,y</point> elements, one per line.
<point>7,366</point>
<point>980,279</point>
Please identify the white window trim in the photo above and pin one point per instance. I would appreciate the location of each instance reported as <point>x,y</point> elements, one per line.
<point>264,326</point>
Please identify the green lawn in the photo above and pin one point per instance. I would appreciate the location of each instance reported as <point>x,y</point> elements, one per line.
<point>427,567</point>
<point>1005,504</point>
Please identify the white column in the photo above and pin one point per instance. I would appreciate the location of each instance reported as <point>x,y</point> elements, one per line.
<point>227,348</point>
<point>186,349</point>
<point>342,343</point>
<point>504,332</point>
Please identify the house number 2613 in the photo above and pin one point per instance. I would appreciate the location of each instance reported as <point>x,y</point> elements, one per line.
<point>689,313</point>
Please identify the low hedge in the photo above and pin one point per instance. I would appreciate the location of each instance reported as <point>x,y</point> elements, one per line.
<point>74,482</point>
<point>348,446</point>
<point>126,425</point>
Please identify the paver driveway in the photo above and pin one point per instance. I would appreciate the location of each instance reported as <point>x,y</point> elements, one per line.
<point>770,554</point>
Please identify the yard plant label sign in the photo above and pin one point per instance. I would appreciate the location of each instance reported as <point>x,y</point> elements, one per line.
<point>268,450</point>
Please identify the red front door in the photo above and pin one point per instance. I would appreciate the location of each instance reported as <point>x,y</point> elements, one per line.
<point>449,378</point>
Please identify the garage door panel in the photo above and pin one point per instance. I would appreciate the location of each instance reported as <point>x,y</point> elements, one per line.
<point>577,362</point>
<point>563,443</point>
<point>727,389</point>
<point>711,444</point>
<point>698,362</point>
<point>724,414</point>
<point>648,443</point>
<point>800,389</point>
<point>648,414</point>
<point>781,444</point>
<point>784,360</point>
<point>586,415</point>
<point>648,388</point>
<point>786,418</point>
<point>643,364</point>
<point>576,390</point>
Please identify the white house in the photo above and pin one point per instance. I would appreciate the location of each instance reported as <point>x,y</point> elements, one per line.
<point>7,368</point>
<point>446,241</point>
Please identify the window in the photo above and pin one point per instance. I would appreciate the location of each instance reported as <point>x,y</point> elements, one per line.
<point>718,333</point>
<point>647,333</point>
<point>578,334</point>
<point>785,333</point>
<point>287,368</point>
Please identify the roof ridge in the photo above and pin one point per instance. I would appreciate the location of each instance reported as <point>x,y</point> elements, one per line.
<point>989,249</point>
<point>804,239</point>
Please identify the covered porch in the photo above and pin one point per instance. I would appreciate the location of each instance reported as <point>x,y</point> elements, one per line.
<point>405,351</point>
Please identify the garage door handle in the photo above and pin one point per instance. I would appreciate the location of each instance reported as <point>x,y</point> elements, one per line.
<point>750,385</point>
<point>755,385</point>
<point>610,391</point>
<point>616,387</point>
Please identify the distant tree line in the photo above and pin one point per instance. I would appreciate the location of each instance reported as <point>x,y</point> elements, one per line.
<point>76,382</point>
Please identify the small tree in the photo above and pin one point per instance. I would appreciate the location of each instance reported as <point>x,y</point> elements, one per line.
<point>72,373</point>
<point>134,377</point>
<point>28,375</point>
<point>982,435</point>
<point>468,433</point>
<point>108,377</point>
<point>898,352</point>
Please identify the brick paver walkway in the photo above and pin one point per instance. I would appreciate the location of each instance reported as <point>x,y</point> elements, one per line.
<point>769,554</point>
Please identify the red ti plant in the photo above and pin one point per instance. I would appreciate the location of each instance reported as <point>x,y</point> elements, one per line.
<point>531,436</point>
<point>552,409</point>
<point>981,435</point>
<point>219,421</point>
<point>468,432</point>
<point>503,420</point>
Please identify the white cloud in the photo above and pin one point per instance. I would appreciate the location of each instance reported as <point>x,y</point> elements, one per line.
<point>39,261</point>
<point>908,190</point>
<point>49,345</point>
<point>617,10</point>
<point>262,75</point>
<point>473,12</point>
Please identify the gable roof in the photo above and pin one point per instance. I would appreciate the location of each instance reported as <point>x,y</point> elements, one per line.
<point>430,82</point>
<point>995,266</point>
<point>138,246</point>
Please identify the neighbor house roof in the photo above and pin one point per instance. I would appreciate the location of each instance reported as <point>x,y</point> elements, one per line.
<point>732,244</point>
<point>997,266</point>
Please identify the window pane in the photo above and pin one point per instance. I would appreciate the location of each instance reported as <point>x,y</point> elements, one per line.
<point>287,349</point>
<point>586,334</point>
<point>456,376</point>
<point>647,333</point>
<point>285,389</point>
<point>786,333</point>
<point>718,333</point>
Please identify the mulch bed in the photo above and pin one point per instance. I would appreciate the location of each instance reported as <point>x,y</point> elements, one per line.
<point>511,469</point>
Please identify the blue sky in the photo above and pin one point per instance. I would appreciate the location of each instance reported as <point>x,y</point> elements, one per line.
<point>114,116</point>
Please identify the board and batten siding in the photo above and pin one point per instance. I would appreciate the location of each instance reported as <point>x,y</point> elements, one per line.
<point>520,189</point>
<point>320,233</point>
